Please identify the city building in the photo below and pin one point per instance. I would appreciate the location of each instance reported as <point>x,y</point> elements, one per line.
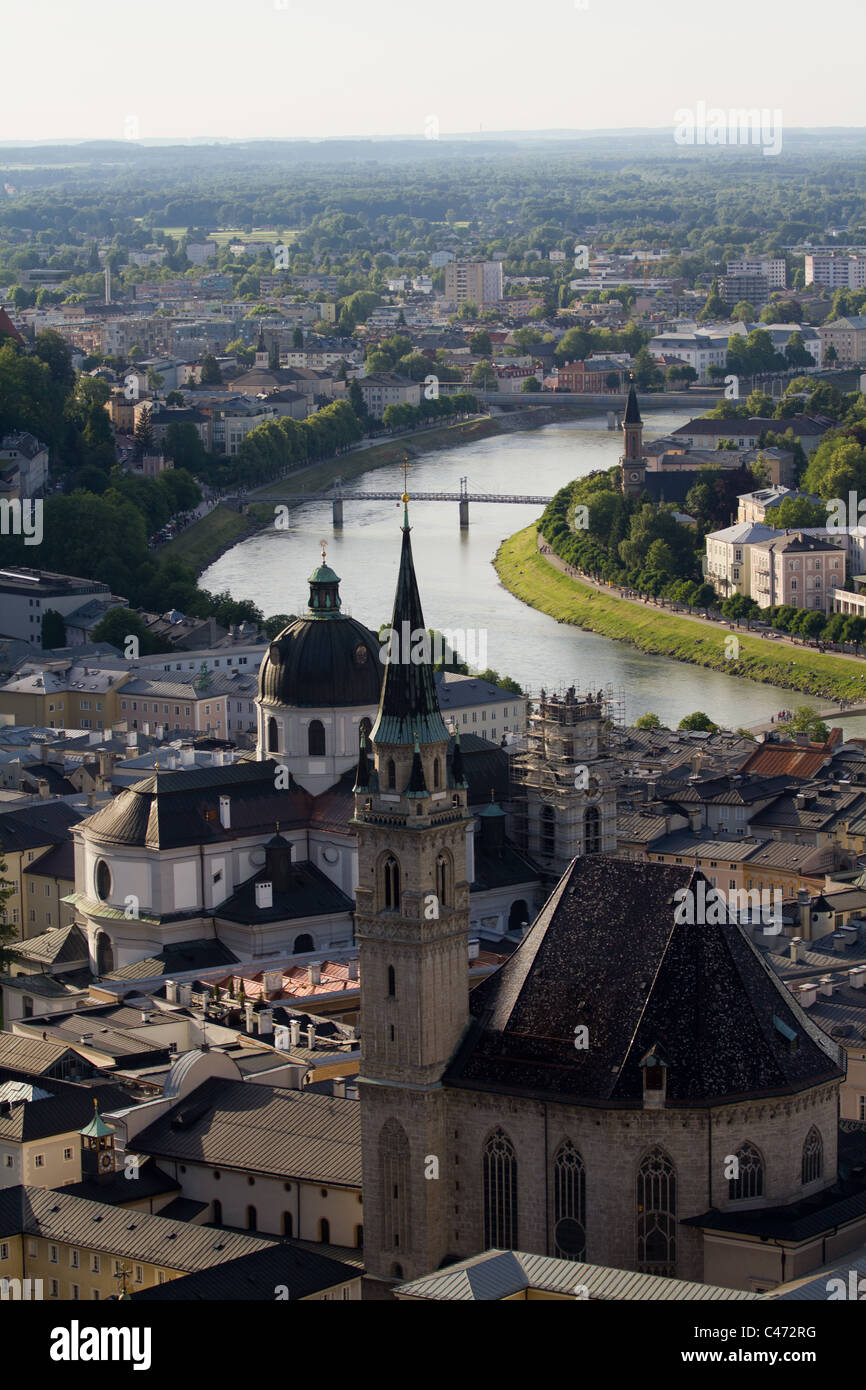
<point>728,556</point>
<point>476,282</point>
<point>847,337</point>
<point>772,268</point>
<point>797,569</point>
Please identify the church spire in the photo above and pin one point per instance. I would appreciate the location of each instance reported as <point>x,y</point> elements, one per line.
<point>632,409</point>
<point>409,706</point>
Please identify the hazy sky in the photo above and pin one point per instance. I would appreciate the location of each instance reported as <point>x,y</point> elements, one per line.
<point>283,68</point>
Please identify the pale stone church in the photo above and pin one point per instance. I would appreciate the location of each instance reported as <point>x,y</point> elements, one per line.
<point>625,1090</point>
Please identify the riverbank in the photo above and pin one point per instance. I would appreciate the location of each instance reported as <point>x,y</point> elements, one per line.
<point>527,575</point>
<point>202,543</point>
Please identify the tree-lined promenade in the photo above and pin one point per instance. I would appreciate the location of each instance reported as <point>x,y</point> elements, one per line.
<point>541,580</point>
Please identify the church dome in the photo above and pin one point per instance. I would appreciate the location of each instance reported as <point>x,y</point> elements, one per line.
<point>323,659</point>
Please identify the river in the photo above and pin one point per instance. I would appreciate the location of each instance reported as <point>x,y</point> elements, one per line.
<point>459,586</point>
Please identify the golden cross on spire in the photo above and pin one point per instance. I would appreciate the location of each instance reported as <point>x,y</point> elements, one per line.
<point>324,544</point>
<point>405,467</point>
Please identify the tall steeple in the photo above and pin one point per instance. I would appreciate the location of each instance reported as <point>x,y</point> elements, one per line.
<point>632,462</point>
<point>412,919</point>
<point>409,706</point>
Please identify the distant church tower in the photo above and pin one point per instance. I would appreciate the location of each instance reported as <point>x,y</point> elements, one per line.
<point>412,917</point>
<point>262,354</point>
<point>97,1149</point>
<point>632,462</point>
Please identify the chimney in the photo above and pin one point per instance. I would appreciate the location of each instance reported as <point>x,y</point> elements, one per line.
<point>264,895</point>
<point>804,905</point>
<point>857,977</point>
<point>86,1038</point>
<point>474,947</point>
<point>796,948</point>
<point>225,813</point>
<point>44,791</point>
<point>266,1023</point>
<point>339,1087</point>
<point>353,969</point>
<point>314,972</point>
<point>272,981</point>
<point>187,755</point>
<point>132,738</point>
<point>249,1018</point>
<point>294,1031</point>
<point>807,994</point>
<point>311,1036</point>
<point>171,991</point>
<point>184,995</point>
<point>825,984</point>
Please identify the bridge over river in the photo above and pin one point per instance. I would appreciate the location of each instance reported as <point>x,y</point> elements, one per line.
<point>337,496</point>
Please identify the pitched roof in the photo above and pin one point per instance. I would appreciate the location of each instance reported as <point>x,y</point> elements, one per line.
<point>261,1129</point>
<point>137,1235</point>
<point>31,1056</point>
<point>300,1271</point>
<point>46,823</point>
<point>607,952</point>
<point>60,1107</point>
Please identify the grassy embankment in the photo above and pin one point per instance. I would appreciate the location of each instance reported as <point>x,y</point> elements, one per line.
<point>201,543</point>
<point>528,576</point>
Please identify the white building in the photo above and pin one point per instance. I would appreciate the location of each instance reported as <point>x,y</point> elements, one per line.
<point>773,267</point>
<point>700,350</point>
<point>837,271</point>
<point>728,560</point>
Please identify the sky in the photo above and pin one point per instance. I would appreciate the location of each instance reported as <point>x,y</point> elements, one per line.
<point>278,69</point>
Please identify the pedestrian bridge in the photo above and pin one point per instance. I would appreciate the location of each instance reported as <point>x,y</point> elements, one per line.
<point>337,496</point>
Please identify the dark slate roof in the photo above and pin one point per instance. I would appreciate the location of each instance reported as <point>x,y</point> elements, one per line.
<point>302,1272</point>
<point>183,955</point>
<point>632,410</point>
<point>409,707</point>
<point>322,659</point>
<point>33,1056</point>
<point>181,807</point>
<point>67,1108</point>
<point>802,1220</point>
<point>261,1129</point>
<point>58,862</point>
<point>137,1235</point>
<point>499,868</point>
<point>606,952</point>
<point>149,1181</point>
<point>46,823</point>
<point>485,767</point>
<point>312,894</point>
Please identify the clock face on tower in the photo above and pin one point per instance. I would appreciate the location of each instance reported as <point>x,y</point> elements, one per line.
<point>634,477</point>
<point>106,1161</point>
<point>593,787</point>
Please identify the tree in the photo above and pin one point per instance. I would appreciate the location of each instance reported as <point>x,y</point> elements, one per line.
<point>793,513</point>
<point>53,629</point>
<point>743,312</point>
<point>275,624</point>
<point>646,370</point>
<point>297,338</point>
<point>119,624</point>
<point>796,353</point>
<point>143,434</point>
<point>806,721</point>
<point>8,934</point>
<point>714,308</point>
<point>648,721</point>
<point>174,398</point>
<point>681,372</point>
<point>698,721</point>
<point>480,343</point>
<point>831,355</point>
<point>531,384</point>
<point>210,374</point>
<point>484,375</point>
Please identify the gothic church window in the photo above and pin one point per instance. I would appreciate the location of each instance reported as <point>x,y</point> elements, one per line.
<point>392,883</point>
<point>749,1181</point>
<point>500,1193</point>
<point>442,879</point>
<point>392,982</point>
<point>656,1214</point>
<point>569,1203</point>
<point>392,775</point>
<point>813,1156</point>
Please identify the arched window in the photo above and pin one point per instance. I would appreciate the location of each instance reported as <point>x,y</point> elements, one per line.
<point>569,1203</point>
<point>813,1156</point>
<point>392,882</point>
<point>359,1237</point>
<point>442,879</point>
<point>325,1231</point>
<point>364,728</point>
<point>656,1214</point>
<point>217,1211</point>
<point>396,1271</point>
<point>500,1193</point>
<point>273,736</point>
<point>252,1219</point>
<point>548,831</point>
<point>394,1177</point>
<point>316,739</point>
<point>392,982</point>
<point>392,775</point>
<point>303,943</point>
<point>749,1181</point>
<point>436,773</point>
<point>518,917</point>
<point>288,1225</point>
<point>591,830</point>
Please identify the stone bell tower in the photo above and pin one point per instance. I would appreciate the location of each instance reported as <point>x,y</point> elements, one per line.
<point>412,915</point>
<point>632,462</point>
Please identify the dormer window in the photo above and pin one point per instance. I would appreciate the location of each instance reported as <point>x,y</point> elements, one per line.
<point>654,1070</point>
